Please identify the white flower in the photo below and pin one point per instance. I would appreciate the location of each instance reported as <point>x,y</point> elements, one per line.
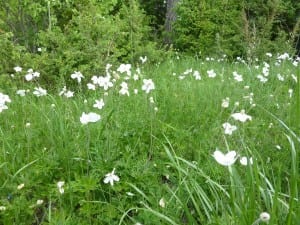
<point>148,85</point>
<point>228,128</point>
<point>294,77</point>
<point>264,217</point>
<point>237,77</point>
<point>283,56</point>
<point>162,203</point>
<point>31,75</point>
<point>4,98</point>
<point>135,77</point>
<point>241,116</point>
<point>151,100</point>
<point>21,92</point>
<point>69,94</point>
<point>107,67</point>
<point>77,75</point>
<point>244,161</point>
<point>266,71</point>
<point>38,91</point>
<point>2,208</point>
<point>105,82</point>
<point>188,71</point>
<point>290,92</point>
<point>3,107</point>
<point>262,78</point>
<point>266,65</point>
<point>280,77</point>
<point>197,75</point>
<point>143,59</point>
<point>295,63</point>
<point>211,73</point>
<point>269,54</point>
<point>36,74</point>
<point>125,68</point>
<point>20,186</point>
<point>18,69</point>
<point>63,91</point>
<point>111,178</point>
<point>99,104</point>
<point>225,160</point>
<point>39,202</point>
<point>89,118</point>
<point>225,102</point>
<point>66,93</point>
<point>60,185</point>
<point>124,89</point>
<point>91,86</point>
<point>96,80</point>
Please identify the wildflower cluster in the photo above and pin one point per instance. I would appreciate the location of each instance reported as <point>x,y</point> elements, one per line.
<point>3,100</point>
<point>122,76</point>
<point>126,82</point>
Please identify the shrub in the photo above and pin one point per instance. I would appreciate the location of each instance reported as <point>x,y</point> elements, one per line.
<point>235,28</point>
<point>85,36</point>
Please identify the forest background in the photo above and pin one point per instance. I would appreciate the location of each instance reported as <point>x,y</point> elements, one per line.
<point>85,35</point>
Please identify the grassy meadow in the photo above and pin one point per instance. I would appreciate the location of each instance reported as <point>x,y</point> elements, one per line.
<point>150,151</point>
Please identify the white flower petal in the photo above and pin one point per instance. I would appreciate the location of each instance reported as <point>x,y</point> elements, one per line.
<point>162,203</point>
<point>111,178</point>
<point>225,159</point>
<point>89,117</point>
<point>241,116</point>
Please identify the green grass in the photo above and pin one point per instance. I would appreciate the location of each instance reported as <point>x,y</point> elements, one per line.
<point>164,153</point>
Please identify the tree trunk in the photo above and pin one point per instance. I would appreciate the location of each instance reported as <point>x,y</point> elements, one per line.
<point>170,19</point>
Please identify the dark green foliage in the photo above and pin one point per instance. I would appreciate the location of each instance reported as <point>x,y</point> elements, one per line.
<point>156,11</point>
<point>208,29</point>
<point>236,28</point>
<point>269,27</point>
<point>77,35</point>
<point>24,19</point>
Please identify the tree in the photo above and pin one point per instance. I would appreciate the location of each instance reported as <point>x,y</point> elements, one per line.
<point>236,28</point>
<point>170,19</point>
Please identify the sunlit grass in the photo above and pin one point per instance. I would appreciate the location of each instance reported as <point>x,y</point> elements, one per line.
<point>160,145</point>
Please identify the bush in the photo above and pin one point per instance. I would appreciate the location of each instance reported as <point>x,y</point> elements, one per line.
<point>85,36</point>
<point>235,28</point>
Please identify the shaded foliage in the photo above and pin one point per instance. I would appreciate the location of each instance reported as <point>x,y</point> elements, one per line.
<point>236,28</point>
